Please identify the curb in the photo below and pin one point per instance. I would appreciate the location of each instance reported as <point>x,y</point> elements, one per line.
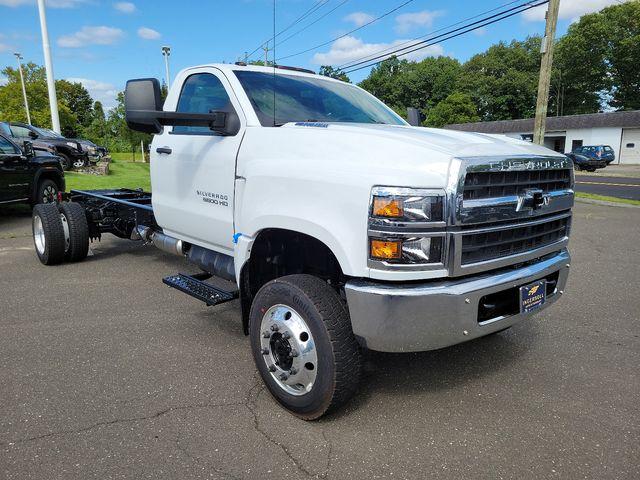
<point>605,203</point>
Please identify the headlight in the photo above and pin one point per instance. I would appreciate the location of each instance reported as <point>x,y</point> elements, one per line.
<point>407,250</point>
<point>407,204</point>
<point>396,216</point>
<point>72,145</point>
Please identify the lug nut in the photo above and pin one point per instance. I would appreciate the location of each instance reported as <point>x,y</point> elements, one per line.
<point>266,334</point>
<point>283,376</point>
<point>293,371</point>
<point>293,353</point>
<point>272,368</point>
<point>274,328</point>
<point>286,335</point>
<point>265,351</point>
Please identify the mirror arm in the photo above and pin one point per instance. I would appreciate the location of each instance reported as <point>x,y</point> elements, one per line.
<point>215,121</point>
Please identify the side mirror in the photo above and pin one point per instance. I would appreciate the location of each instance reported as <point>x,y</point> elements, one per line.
<point>143,111</point>
<point>27,148</point>
<point>33,134</point>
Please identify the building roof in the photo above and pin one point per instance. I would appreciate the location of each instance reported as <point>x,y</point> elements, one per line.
<point>629,118</point>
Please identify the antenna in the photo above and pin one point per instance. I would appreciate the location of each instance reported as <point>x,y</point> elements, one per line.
<point>274,63</point>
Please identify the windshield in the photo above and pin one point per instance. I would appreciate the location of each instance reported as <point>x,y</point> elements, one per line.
<point>45,132</point>
<point>306,99</point>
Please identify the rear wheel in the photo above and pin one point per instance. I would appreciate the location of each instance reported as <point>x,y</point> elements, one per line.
<point>303,345</point>
<point>47,192</point>
<point>75,219</point>
<point>48,234</point>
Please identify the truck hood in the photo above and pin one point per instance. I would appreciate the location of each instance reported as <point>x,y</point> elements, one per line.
<point>449,142</point>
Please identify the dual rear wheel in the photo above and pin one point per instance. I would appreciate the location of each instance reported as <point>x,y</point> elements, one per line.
<point>60,232</point>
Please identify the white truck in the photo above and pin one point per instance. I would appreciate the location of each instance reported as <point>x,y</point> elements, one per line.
<point>340,226</point>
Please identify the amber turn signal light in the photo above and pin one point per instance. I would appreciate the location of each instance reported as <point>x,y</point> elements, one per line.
<point>386,250</point>
<point>387,207</point>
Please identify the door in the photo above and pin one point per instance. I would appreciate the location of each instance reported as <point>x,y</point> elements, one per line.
<point>21,134</point>
<point>193,168</point>
<point>630,148</point>
<point>14,173</point>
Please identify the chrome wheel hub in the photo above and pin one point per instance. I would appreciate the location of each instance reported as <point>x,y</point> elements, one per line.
<point>65,228</point>
<point>38,234</point>
<point>288,349</point>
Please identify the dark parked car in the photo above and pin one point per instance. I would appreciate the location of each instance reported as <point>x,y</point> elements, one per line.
<point>582,162</point>
<point>597,152</point>
<point>94,152</point>
<point>69,151</point>
<point>28,175</point>
<point>37,144</point>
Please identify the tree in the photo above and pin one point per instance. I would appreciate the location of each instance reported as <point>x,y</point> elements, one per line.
<point>503,81</point>
<point>599,58</point>
<point>329,71</point>
<point>77,99</point>
<point>456,108</point>
<point>74,102</point>
<point>122,138</point>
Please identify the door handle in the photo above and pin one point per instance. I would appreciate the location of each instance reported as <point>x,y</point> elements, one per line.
<point>166,150</point>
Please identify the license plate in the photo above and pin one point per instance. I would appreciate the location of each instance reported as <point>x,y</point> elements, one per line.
<point>533,296</point>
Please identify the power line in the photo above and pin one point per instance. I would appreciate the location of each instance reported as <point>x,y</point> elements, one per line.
<point>314,22</point>
<point>371,55</point>
<point>449,35</point>
<point>309,11</point>
<point>350,32</point>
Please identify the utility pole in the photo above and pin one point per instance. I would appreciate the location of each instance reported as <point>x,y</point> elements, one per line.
<point>545,71</point>
<point>24,89</point>
<point>48,64</point>
<point>166,51</point>
<point>266,53</point>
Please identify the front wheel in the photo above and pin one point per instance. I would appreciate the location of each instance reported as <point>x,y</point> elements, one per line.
<point>303,345</point>
<point>47,192</point>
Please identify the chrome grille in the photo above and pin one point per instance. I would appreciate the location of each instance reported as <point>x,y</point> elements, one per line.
<point>487,245</point>
<point>479,185</point>
<point>508,210</point>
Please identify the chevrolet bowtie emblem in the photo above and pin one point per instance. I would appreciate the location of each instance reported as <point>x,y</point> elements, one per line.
<point>532,199</point>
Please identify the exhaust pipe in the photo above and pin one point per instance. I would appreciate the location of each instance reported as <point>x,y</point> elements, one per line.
<point>167,244</point>
<point>158,239</point>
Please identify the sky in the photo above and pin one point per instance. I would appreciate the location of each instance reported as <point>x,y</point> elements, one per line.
<point>102,43</point>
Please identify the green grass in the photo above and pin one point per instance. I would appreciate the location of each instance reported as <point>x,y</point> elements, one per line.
<point>604,198</point>
<point>122,174</point>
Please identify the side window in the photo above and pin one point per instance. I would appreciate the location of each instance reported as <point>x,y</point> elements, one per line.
<point>6,147</point>
<point>19,131</point>
<point>202,93</point>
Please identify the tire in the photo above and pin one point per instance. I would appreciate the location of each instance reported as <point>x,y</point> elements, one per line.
<point>66,162</point>
<point>78,227</point>
<point>48,234</point>
<point>311,389</point>
<point>47,192</point>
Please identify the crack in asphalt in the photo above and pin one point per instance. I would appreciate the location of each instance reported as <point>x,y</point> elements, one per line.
<point>203,461</point>
<point>329,454</point>
<point>251,406</point>
<point>120,420</point>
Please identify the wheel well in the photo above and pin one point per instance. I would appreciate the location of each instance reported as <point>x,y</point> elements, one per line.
<point>276,253</point>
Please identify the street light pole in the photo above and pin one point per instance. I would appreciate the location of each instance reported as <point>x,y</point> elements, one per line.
<point>24,89</point>
<point>48,64</point>
<point>166,51</point>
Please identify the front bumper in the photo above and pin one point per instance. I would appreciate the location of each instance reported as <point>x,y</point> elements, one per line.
<point>410,317</point>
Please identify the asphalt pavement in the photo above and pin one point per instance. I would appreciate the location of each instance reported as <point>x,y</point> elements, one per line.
<point>108,374</point>
<point>620,187</point>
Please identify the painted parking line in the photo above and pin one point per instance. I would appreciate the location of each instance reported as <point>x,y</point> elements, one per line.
<point>611,184</point>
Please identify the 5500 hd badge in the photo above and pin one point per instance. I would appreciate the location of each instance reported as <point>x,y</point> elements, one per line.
<point>214,198</point>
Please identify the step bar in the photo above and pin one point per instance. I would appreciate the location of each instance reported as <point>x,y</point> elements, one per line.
<point>196,287</point>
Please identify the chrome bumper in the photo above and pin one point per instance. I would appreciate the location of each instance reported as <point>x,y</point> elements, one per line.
<point>410,317</point>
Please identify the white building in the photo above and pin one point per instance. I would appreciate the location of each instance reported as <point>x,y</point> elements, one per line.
<point>619,130</point>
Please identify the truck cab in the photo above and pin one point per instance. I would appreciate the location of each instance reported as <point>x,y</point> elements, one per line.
<point>342,227</point>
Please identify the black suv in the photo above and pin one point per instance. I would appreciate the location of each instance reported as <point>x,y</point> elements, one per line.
<point>28,175</point>
<point>69,151</point>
